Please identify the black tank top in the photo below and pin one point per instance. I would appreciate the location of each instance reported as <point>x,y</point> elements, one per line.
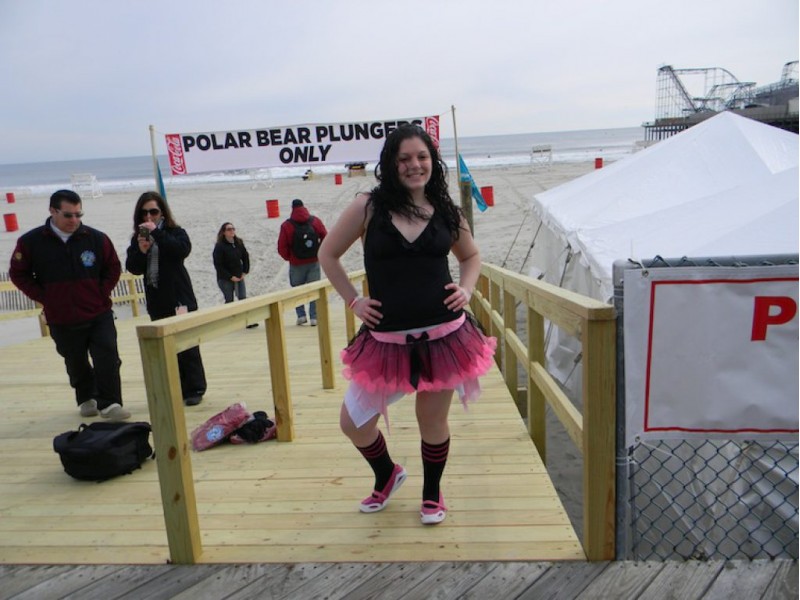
<point>408,277</point>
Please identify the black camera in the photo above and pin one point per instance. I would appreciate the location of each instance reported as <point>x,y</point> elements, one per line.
<point>144,232</point>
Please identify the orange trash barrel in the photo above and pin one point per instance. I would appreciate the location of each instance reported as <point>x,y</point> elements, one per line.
<point>488,195</point>
<point>10,220</point>
<point>598,163</point>
<point>273,209</point>
<point>337,177</point>
<point>10,197</point>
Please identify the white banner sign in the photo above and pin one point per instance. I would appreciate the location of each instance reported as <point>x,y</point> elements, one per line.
<point>285,146</point>
<point>711,352</point>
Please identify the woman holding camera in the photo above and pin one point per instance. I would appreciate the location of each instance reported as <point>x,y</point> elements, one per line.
<point>157,251</point>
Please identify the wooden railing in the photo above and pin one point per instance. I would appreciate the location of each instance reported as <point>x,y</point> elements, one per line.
<point>159,344</point>
<point>494,303</point>
<point>127,291</point>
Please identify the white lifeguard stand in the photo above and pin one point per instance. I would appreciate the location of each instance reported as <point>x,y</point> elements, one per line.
<point>260,177</point>
<point>541,157</point>
<point>86,184</point>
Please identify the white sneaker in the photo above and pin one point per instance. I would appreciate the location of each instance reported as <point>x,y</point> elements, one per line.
<point>302,320</point>
<point>313,322</point>
<point>115,412</point>
<point>89,408</point>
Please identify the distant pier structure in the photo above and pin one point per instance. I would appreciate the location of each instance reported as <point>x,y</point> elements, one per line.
<point>685,97</point>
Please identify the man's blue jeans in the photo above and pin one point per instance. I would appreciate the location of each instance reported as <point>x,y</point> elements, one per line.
<point>300,274</point>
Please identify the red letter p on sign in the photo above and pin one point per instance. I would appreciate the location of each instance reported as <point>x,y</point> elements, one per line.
<point>787,309</point>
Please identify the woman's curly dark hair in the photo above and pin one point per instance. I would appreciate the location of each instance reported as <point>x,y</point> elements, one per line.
<point>391,195</point>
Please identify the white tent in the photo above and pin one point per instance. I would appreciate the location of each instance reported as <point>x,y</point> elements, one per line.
<point>725,187</point>
<point>728,186</point>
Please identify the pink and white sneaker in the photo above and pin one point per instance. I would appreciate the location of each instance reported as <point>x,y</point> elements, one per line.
<point>432,512</point>
<point>378,500</point>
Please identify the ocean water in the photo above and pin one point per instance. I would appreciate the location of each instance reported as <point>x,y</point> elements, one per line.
<point>136,172</point>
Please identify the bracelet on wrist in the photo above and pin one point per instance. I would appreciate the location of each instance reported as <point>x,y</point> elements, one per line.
<point>352,302</point>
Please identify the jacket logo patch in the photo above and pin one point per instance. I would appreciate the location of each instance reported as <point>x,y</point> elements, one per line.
<point>17,255</point>
<point>88,258</point>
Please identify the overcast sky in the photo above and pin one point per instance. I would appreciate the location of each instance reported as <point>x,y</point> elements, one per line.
<point>85,78</point>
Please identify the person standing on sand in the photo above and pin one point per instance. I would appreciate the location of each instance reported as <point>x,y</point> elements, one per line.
<point>298,243</point>
<point>232,264</point>
<point>71,270</point>
<point>416,336</point>
<point>157,251</point>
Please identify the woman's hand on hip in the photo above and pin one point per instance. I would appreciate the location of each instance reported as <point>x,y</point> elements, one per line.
<point>459,297</point>
<point>366,309</point>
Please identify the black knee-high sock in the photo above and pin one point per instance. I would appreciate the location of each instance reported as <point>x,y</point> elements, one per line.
<point>377,455</point>
<point>434,458</point>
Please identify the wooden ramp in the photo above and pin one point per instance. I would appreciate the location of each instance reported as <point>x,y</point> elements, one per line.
<point>272,502</point>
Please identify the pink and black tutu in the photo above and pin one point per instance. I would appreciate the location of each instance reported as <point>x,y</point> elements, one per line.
<point>382,367</point>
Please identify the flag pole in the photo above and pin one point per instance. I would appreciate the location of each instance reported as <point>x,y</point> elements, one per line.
<point>464,187</point>
<point>156,168</point>
<point>153,152</point>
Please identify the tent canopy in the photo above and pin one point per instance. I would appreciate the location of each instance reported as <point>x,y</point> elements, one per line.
<point>728,186</point>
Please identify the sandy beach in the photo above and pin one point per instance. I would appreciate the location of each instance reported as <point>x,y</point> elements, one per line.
<point>504,234</point>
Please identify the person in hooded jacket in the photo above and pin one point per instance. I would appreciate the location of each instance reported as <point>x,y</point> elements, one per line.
<point>302,268</point>
<point>232,264</point>
<point>157,250</point>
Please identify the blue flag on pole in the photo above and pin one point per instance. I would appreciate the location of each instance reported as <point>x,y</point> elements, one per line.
<point>161,189</point>
<point>467,176</point>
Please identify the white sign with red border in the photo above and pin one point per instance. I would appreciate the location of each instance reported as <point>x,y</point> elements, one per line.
<point>711,352</point>
<point>285,146</point>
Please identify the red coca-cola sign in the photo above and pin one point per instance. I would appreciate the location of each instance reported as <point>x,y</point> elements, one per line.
<point>175,152</point>
<point>432,128</point>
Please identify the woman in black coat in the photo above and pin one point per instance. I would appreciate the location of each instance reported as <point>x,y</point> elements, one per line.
<point>157,251</point>
<point>231,262</point>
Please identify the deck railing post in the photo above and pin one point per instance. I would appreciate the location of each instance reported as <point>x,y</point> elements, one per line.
<point>536,402</point>
<point>134,298</point>
<point>325,343</point>
<point>279,373</point>
<point>494,301</point>
<point>171,444</point>
<point>599,429</point>
<point>510,322</point>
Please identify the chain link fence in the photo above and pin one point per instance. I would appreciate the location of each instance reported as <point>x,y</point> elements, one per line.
<point>704,498</point>
<point>713,499</point>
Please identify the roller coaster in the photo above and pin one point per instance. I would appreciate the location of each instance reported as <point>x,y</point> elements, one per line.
<point>685,97</point>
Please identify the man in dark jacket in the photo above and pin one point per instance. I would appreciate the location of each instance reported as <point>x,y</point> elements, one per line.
<point>71,269</point>
<point>301,252</point>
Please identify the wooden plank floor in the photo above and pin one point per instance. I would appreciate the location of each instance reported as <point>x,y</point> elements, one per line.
<point>270,502</point>
<point>690,580</point>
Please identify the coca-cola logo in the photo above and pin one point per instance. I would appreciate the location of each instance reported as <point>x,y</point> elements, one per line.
<point>175,152</point>
<point>432,128</point>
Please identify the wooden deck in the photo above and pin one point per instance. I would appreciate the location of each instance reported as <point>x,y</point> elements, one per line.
<point>691,580</point>
<point>272,502</point>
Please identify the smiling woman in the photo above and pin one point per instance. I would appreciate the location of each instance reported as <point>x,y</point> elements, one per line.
<point>416,336</point>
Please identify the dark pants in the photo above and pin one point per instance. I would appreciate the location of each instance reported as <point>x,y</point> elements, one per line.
<point>228,287</point>
<point>192,372</point>
<point>96,338</point>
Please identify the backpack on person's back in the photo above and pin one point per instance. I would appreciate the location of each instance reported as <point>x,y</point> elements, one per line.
<point>305,242</point>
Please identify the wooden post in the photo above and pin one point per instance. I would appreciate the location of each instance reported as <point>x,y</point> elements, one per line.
<point>165,402</point>
<point>465,191</point>
<point>510,322</point>
<point>599,430</point>
<point>536,405</point>
<point>134,297</point>
<point>43,328</point>
<point>494,300</point>
<point>325,344</point>
<point>279,373</point>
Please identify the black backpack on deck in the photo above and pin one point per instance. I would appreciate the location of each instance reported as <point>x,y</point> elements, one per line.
<point>305,242</point>
<point>100,451</point>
